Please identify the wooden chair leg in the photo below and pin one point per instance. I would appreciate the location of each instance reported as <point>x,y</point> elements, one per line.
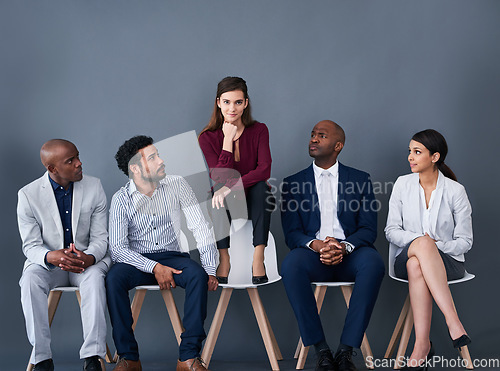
<point>213,333</point>
<point>173,313</point>
<point>259,311</point>
<point>396,335</point>
<point>464,353</point>
<point>298,349</point>
<point>302,351</point>
<point>277,350</point>
<point>405,337</point>
<point>53,302</point>
<point>109,355</point>
<point>366,350</point>
<point>136,310</point>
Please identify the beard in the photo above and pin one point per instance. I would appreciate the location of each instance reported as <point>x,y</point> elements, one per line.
<point>153,178</point>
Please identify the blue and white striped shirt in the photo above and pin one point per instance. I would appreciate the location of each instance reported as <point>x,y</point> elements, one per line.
<point>139,224</point>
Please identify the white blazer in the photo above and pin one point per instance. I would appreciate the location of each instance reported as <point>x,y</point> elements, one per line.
<point>40,223</point>
<point>450,218</point>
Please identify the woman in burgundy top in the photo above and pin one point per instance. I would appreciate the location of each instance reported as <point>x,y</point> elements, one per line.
<point>236,149</point>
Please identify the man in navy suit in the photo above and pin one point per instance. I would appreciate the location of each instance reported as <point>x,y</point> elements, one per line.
<point>329,218</point>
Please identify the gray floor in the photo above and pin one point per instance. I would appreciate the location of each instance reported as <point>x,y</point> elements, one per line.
<point>217,365</point>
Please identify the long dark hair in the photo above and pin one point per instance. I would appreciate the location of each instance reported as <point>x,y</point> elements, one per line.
<point>229,84</point>
<point>435,142</point>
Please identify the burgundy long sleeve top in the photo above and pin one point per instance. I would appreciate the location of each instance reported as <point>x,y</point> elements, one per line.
<point>255,156</point>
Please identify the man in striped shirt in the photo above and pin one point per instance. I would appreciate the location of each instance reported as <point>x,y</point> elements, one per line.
<point>144,230</point>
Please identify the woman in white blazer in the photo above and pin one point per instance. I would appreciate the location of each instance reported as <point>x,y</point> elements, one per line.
<point>430,223</point>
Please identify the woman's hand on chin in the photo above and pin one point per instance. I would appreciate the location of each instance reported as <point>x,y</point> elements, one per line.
<point>229,130</point>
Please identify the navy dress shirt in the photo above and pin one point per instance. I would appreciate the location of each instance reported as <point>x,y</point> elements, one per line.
<point>64,202</point>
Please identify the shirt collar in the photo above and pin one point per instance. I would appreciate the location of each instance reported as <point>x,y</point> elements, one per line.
<point>334,170</point>
<point>56,185</point>
<point>132,188</point>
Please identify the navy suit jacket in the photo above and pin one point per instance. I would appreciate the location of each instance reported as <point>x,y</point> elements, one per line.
<point>356,207</point>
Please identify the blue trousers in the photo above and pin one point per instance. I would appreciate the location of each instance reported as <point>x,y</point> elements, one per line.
<point>364,266</point>
<point>123,277</point>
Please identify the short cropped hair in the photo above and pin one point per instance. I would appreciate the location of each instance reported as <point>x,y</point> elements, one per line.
<point>129,150</point>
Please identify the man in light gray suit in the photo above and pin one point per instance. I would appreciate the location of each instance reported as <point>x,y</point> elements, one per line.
<point>62,223</point>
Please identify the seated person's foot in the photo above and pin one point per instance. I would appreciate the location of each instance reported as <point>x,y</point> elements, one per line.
<point>259,273</point>
<point>325,361</point>
<point>46,365</point>
<point>193,364</point>
<point>343,361</point>
<point>92,364</point>
<point>128,365</point>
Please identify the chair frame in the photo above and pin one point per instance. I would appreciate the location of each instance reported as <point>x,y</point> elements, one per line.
<point>267,334</point>
<point>319,294</point>
<point>404,325</point>
<point>270,343</point>
<point>53,302</point>
<point>168,298</point>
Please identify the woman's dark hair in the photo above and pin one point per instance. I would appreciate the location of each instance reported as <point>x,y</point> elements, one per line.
<point>229,84</point>
<point>435,142</point>
<point>127,152</point>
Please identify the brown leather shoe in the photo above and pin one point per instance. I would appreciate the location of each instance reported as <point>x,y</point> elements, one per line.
<point>128,365</point>
<point>194,364</point>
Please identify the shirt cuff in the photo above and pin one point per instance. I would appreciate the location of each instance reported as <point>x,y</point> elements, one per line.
<point>47,264</point>
<point>308,245</point>
<point>349,244</point>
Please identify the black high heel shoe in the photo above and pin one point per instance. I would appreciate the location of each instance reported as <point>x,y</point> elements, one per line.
<point>425,365</point>
<point>221,279</point>
<point>257,280</point>
<point>461,341</point>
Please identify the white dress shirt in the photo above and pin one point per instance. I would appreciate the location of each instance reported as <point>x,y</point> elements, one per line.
<point>337,230</point>
<point>139,224</point>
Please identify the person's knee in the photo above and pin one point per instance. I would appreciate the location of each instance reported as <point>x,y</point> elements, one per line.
<point>421,245</point>
<point>196,274</point>
<point>113,277</point>
<point>94,279</point>
<point>260,187</point>
<point>373,265</point>
<point>292,266</point>
<point>32,281</point>
<point>413,268</point>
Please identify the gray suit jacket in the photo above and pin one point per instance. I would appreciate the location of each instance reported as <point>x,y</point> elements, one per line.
<point>40,224</point>
<point>451,220</point>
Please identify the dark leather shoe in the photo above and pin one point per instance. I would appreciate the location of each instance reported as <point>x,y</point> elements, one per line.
<point>92,364</point>
<point>47,365</point>
<point>128,365</point>
<point>257,280</point>
<point>193,364</point>
<point>325,361</point>
<point>343,361</point>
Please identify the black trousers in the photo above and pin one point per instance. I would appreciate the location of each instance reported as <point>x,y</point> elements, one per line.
<point>257,206</point>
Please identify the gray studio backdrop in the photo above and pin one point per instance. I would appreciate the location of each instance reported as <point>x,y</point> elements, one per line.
<point>99,72</point>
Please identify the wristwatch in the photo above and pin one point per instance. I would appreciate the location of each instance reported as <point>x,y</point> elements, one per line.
<point>348,247</point>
